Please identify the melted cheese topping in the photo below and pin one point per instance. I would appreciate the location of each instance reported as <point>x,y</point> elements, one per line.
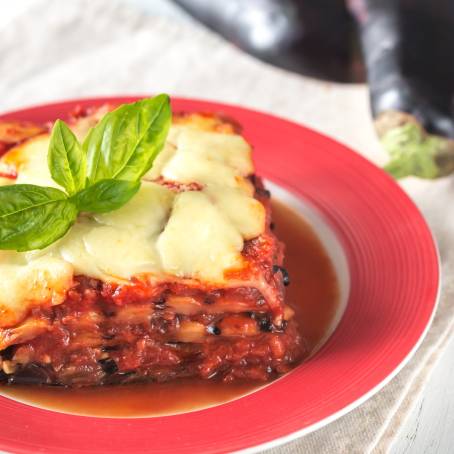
<point>199,240</point>
<point>29,160</point>
<point>159,233</point>
<point>22,285</point>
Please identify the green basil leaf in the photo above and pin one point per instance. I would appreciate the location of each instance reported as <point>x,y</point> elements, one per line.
<point>66,158</point>
<point>124,144</point>
<point>106,195</point>
<point>32,217</point>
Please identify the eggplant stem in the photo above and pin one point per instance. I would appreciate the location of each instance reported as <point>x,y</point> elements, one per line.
<point>412,150</point>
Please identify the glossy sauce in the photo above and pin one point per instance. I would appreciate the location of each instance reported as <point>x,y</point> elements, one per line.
<point>313,293</point>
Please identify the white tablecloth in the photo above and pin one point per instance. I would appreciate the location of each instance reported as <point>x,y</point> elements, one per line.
<point>53,50</point>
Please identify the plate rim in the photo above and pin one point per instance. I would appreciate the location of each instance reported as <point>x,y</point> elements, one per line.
<point>364,398</point>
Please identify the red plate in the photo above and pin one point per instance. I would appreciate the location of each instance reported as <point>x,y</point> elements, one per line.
<point>394,281</point>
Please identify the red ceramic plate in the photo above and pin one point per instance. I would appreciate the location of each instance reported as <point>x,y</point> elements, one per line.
<point>394,281</point>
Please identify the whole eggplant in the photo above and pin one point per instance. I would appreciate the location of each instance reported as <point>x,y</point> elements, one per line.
<point>408,49</point>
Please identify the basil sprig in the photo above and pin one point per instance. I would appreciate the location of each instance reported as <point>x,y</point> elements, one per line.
<point>98,176</point>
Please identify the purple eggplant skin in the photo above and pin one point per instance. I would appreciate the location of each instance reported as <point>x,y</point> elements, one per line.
<point>312,37</point>
<point>408,48</point>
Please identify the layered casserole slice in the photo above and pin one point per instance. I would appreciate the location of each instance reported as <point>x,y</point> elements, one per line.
<point>185,280</point>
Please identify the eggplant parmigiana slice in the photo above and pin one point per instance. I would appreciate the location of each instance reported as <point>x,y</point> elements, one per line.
<point>185,280</point>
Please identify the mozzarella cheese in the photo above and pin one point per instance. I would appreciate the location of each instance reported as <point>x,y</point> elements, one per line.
<point>199,240</point>
<point>160,233</point>
<point>29,160</point>
<point>22,285</point>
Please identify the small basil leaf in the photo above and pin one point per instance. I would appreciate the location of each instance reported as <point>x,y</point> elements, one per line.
<point>32,217</point>
<point>106,195</point>
<point>124,144</point>
<point>66,158</point>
